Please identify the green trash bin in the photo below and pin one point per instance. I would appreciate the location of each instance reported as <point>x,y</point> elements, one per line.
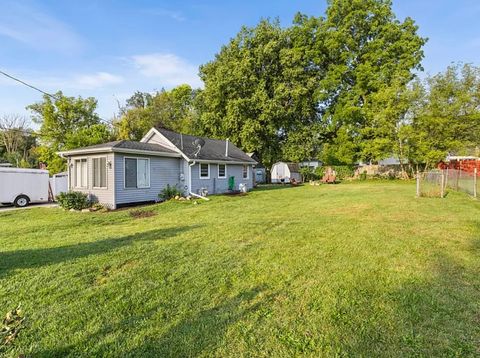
<point>231,183</point>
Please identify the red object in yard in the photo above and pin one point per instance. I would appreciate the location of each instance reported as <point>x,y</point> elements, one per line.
<point>330,176</point>
<point>465,164</point>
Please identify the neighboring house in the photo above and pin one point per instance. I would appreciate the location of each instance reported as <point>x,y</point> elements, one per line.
<point>283,172</point>
<point>260,176</point>
<point>312,164</point>
<point>464,163</point>
<point>390,166</point>
<point>124,172</point>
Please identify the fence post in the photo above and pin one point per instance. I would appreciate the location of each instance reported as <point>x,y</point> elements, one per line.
<point>442,183</point>
<point>446,179</point>
<point>458,178</point>
<point>475,173</point>
<point>418,184</point>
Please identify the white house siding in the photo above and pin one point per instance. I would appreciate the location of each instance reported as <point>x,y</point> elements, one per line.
<point>163,171</point>
<point>216,185</point>
<point>103,196</point>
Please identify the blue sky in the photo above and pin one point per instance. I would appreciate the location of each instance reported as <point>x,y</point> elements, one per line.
<point>109,49</point>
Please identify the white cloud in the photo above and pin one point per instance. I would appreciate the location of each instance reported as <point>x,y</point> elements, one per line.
<point>97,80</point>
<point>37,29</point>
<point>168,68</point>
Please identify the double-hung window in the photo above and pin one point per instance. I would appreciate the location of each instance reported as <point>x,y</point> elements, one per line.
<point>100,172</point>
<point>81,174</point>
<point>222,171</point>
<point>245,171</point>
<point>137,173</point>
<point>204,171</point>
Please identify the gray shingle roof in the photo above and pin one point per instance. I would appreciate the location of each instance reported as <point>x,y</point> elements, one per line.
<point>293,167</point>
<point>128,144</point>
<point>213,149</point>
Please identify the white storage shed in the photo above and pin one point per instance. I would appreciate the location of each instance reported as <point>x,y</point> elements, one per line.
<point>283,172</point>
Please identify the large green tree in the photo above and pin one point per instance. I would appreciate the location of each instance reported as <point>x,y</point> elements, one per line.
<point>372,56</point>
<point>17,141</point>
<point>443,116</point>
<point>293,92</point>
<point>259,90</point>
<point>66,123</point>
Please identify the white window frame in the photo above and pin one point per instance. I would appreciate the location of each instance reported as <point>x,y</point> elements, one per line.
<point>148,173</point>
<point>200,170</point>
<point>248,172</point>
<point>75,173</point>
<point>218,171</point>
<point>106,172</point>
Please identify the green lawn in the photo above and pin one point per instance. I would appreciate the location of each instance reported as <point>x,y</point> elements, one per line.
<point>349,270</point>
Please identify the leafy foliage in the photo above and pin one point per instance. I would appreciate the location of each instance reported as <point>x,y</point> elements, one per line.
<point>174,109</point>
<point>66,123</point>
<point>73,200</point>
<point>311,87</point>
<point>169,192</point>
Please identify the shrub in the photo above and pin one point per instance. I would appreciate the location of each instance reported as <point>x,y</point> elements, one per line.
<point>363,175</point>
<point>169,192</point>
<point>73,200</point>
<point>308,174</point>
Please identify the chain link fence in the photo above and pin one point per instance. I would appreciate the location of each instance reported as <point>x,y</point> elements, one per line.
<point>435,183</point>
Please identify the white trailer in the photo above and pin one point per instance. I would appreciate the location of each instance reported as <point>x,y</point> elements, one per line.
<point>23,186</point>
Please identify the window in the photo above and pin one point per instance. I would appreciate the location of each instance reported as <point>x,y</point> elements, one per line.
<point>100,172</point>
<point>245,171</point>
<point>137,173</point>
<point>222,171</point>
<point>204,171</point>
<point>81,175</point>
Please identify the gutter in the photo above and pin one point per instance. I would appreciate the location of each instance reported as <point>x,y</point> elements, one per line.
<point>117,150</point>
<point>190,182</point>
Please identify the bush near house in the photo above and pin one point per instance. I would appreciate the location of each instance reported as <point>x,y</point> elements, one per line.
<point>73,200</point>
<point>169,192</point>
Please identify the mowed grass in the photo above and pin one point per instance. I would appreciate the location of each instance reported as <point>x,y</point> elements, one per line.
<point>361,269</point>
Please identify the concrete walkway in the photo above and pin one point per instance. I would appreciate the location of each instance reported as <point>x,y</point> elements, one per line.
<point>41,205</point>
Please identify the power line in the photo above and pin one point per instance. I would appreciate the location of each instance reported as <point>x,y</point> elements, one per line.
<point>41,91</point>
<point>28,85</point>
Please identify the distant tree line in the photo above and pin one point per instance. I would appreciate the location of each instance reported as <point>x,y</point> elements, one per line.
<point>344,87</point>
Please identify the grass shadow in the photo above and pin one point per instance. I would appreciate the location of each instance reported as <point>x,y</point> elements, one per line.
<point>197,334</point>
<point>34,258</point>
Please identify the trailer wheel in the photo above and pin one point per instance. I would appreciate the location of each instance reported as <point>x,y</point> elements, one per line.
<point>21,201</point>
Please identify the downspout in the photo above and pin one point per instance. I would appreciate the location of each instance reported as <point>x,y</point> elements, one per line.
<point>190,182</point>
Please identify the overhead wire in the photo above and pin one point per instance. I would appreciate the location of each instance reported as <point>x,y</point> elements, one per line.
<point>41,91</point>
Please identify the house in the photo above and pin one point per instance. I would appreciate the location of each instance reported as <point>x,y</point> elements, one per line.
<point>283,172</point>
<point>312,164</point>
<point>260,176</point>
<point>388,167</point>
<point>124,172</point>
